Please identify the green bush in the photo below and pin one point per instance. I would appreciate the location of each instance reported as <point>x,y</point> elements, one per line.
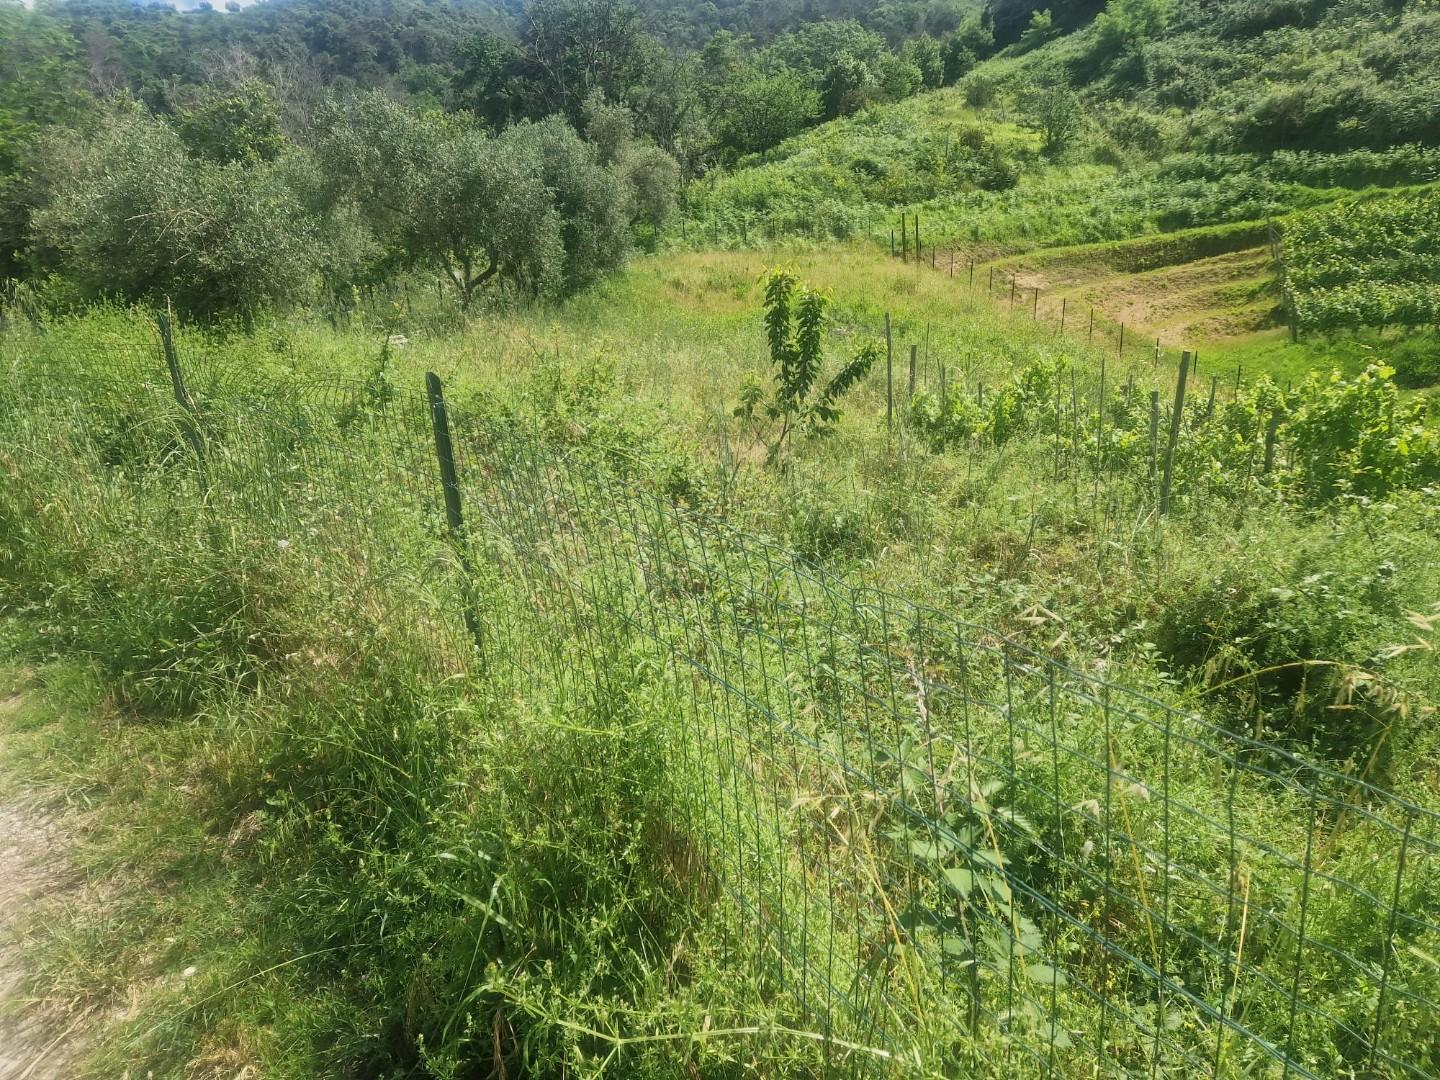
<point>1279,643</point>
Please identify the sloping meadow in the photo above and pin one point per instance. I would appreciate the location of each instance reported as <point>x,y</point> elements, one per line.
<point>555,774</point>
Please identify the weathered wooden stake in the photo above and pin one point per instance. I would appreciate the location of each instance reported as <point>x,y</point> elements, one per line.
<point>914,353</point>
<point>1035,306</point>
<point>1064,303</point>
<point>1177,418</point>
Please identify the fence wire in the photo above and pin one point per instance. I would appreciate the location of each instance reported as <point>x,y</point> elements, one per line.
<point>940,848</point>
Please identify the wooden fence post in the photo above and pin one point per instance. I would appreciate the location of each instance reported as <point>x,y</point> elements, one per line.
<point>1064,303</point>
<point>1090,336</point>
<point>450,485</point>
<point>1177,418</point>
<point>904,239</point>
<point>1035,307</point>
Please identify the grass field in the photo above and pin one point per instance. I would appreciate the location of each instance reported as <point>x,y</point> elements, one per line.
<point>283,833</point>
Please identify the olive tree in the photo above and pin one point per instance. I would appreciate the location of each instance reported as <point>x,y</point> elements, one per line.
<point>531,209</point>
<point>128,212</point>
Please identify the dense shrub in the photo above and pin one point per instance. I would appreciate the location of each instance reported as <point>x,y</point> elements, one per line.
<point>1276,642</point>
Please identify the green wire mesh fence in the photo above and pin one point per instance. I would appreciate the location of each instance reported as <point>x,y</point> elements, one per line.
<point>939,848</point>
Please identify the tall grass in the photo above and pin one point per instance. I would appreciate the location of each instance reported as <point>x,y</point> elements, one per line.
<point>383,857</point>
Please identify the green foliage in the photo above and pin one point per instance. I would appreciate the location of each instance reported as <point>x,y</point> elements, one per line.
<point>1026,405</point>
<point>795,326</point>
<point>762,110</point>
<point>41,80</point>
<point>1375,264</point>
<point>582,47</point>
<point>1126,24</point>
<point>1360,437</point>
<point>1041,29</point>
<point>1010,20</point>
<point>966,47</point>
<point>531,209</point>
<point>1283,643</point>
<point>457,883</point>
<point>238,125</point>
<point>130,212</point>
<point>925,54</point>
<point>1057,114</point>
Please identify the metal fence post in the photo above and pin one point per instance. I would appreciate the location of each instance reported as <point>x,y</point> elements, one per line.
<point>450,485</point>
<point>1176,419</point>
<point>190,425</point>
<point>889,376</point>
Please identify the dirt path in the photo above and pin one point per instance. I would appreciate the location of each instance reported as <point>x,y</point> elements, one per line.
<point>35,1044</point>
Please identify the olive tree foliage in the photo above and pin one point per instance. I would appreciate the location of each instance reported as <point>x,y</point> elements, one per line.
<point>649,177</point>
<point>236,124</point>
<point>532,209</point>
<point>127,211</point>
<point>219,216</point>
